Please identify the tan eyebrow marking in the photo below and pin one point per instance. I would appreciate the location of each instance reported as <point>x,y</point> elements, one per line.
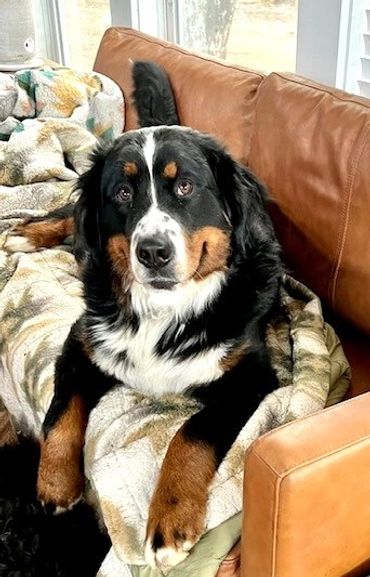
<point>130,168</point>
<point>170,170</point>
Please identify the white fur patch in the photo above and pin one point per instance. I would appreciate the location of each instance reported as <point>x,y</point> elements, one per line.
<point>189,298</point>
<point>166,557</point>
<point>130,356</point>
<point>18,244</point>
<point>61,510</point>
<point>143,370</point>
<point>148,153</point>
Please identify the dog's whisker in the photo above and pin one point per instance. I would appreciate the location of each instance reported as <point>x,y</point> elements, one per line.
<point>196,272</point>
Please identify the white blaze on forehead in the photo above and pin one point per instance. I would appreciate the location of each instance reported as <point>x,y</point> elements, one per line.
<point>157,221</point>
<point>148,153</point>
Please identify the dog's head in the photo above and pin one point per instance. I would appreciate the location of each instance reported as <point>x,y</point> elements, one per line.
<point>167,206</point>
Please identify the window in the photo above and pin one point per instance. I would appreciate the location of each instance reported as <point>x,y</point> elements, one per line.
<point>260,34</point>
<point>84,24</point>
<point>69,31</point>
<point>327,41</point>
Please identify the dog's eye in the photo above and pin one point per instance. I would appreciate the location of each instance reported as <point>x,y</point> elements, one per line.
<point>124,193</point>
<point>184,188</point>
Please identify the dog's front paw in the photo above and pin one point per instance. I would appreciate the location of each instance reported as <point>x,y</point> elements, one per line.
<point>19,239</point>
<point>174,526</point>
<point>59,492</point>
<point>60,482</point>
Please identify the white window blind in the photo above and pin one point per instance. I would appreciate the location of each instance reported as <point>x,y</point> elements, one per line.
<point>364,80</point>
<point>334,43</point>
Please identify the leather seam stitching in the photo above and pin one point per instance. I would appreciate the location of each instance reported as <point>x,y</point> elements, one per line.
<point>345,217</point>
<point>276,516</point>
<point>320,88</point>
<point>333,408</point>
<point>314,459</point>
<point>255,121</point>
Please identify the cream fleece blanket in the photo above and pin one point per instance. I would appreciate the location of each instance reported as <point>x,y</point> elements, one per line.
<point>128,434</point>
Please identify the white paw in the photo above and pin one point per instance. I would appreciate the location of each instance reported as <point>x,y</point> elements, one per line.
<point>16,243</point>
<point>166,557</point>
<point>58,510</point>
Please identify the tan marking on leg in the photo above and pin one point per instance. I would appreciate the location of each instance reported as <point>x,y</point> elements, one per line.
<point>234,357</point>
<point>60,478</point>
<point>178,506</point>
<point>170,170</point>
<point>46,233</point>
<point>8,434</point>
<point>130,168</point>
<point>208,250</point>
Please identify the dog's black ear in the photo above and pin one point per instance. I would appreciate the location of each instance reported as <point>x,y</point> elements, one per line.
<point>244,197</point>
<point>153,96</point>
<point>88,208</point>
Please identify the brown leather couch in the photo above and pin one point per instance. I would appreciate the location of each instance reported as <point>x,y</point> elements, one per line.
<point>307,484</point>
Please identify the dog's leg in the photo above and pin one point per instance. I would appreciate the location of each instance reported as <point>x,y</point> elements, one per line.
<point>60,478</point>
<point>178,507</point>
<point>42,232</point>
<point>78,386</point>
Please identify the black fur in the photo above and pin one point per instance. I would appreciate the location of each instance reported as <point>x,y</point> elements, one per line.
<point>75,374</point>
<point>153,95</point>
<point>33,543</point>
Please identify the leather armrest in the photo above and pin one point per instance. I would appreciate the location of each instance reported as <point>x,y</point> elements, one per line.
<point>307,496</point>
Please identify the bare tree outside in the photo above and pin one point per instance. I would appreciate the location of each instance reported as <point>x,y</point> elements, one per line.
<point>206,25</point>
<point>254,33</point>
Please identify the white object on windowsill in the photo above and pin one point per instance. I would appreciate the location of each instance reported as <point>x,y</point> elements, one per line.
<point>15,66</point>
<point>17,36</point>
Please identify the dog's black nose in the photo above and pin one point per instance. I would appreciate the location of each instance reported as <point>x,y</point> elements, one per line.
<point>154,252</point>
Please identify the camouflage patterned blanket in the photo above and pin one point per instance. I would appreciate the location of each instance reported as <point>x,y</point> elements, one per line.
<point>40,297</point>
<point>49,121</point>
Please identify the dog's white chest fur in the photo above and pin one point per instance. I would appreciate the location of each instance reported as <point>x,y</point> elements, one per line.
<point>131,356</point>
<point>132,359</point>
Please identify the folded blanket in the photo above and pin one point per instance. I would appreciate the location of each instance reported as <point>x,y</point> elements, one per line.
<point>128,433</point>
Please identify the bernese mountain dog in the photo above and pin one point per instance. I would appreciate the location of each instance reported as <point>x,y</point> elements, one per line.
<point>181,271</point>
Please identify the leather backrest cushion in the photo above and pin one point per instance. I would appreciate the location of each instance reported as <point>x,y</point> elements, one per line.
<point>311,147</point>
<point>212,97</point>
